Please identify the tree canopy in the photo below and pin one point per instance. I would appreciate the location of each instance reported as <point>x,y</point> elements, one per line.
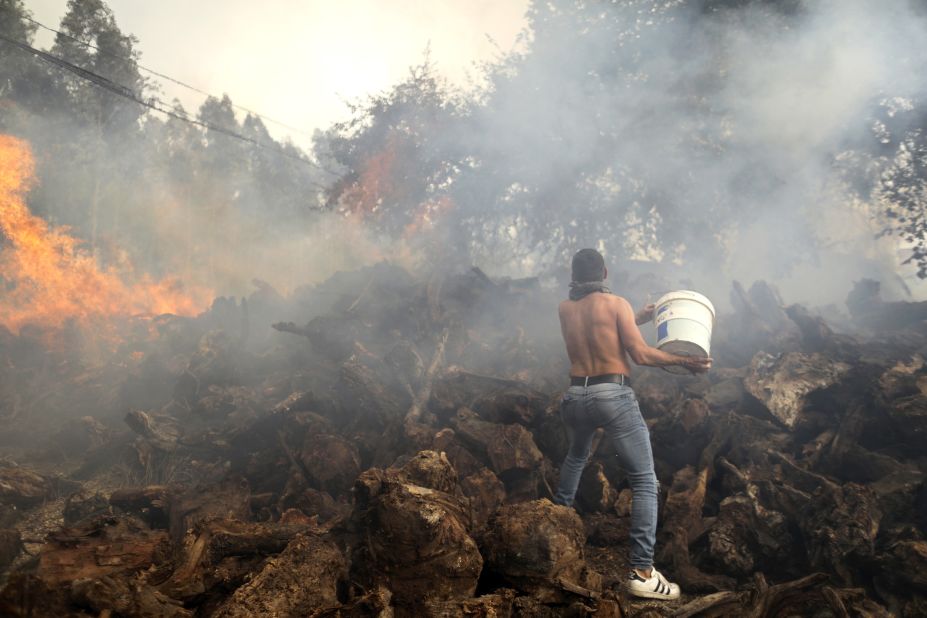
<point>660,130</point>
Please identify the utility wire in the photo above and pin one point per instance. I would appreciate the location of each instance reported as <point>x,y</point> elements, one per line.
<point>163,76</point>
<point>151,103</point>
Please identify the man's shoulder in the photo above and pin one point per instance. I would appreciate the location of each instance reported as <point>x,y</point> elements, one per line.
<point>619,304</point>
<point>619,299</point>
<point>615,299</point>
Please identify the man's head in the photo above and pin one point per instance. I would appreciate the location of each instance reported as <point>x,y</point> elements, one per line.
<point>588,265</point>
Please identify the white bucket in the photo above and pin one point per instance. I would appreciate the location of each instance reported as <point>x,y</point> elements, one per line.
<point>684,320</point>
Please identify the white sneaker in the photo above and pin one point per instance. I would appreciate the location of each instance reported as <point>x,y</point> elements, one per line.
<point>654,587</point>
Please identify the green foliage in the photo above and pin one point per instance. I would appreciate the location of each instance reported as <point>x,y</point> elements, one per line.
<point>902,136</point>
<point>113,56</point>
<point>20,79</point>
<point>399,151</point>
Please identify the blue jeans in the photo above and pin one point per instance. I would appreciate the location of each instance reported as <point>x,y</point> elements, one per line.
<point>614,407</point>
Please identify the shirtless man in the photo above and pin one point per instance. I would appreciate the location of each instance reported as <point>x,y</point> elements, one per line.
<point>600,331</point>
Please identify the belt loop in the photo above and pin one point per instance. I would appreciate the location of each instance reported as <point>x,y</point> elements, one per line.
<point>586,384</point>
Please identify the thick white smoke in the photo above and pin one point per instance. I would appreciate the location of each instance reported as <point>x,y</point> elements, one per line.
<point>745,116</point>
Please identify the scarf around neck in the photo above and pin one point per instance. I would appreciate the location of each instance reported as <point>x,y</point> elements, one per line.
<point>581,290</point>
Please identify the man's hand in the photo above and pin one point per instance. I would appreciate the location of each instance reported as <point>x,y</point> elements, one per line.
<point>696,364</point>
<point>645,314</point>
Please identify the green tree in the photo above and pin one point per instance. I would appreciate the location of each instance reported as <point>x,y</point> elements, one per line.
<point>901,140</point>
<point>113,55</point>
<point>14,64</point>
<point>96,131</point>
<point>26,85</point>
<point>400,151</point>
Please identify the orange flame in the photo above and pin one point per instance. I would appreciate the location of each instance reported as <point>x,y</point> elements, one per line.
<point>47,279</point>
<point>375,182</point>
<point>379,182</point>
<point>427,214</point>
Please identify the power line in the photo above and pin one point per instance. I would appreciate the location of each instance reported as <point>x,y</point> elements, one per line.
<point>151,103</point>
<point>163,76</point>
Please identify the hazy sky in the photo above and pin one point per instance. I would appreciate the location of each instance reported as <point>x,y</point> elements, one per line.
<point>299,61</point>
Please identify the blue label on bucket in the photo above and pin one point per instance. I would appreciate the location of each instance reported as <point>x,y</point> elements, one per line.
<point>662,330</point>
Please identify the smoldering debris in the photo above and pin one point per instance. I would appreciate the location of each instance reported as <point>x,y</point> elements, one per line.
<point>391,451</point>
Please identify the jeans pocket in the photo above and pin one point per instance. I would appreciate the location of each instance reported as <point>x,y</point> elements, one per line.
<point>569,405</point>
<point>618,405</point>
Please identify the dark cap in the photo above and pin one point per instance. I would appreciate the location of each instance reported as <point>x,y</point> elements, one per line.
<point>588,265</point>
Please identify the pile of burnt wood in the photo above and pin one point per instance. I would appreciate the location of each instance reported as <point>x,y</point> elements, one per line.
<point>395,455</point>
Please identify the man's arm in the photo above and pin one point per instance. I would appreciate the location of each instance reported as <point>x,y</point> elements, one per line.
<point>643,354</point>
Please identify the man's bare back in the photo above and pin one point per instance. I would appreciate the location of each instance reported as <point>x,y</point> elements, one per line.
<point>600,332</point>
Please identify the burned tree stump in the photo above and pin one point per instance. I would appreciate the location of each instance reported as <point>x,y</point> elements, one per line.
<point>22,487</point>
<point>152,503</point>
<point>230,499</point>
<point>330,462</point>
<point>11,545</point>
<point>496,400</point>
<point>839,523</point>
<point>595,493</point>
<point>500,603</point>
<point>28,596</point>
<point>509,450</point>
<point>537,548</point>
<point>305,577</point>
<point>222,551</point>
<point>413,539</point>
<point>433,470</point>
<point>371,403</point>
<point>458,454</point>
<point>107,546</point>
<point>84,505</point>
<point>126,598</point>
<point>160,430</point>
<point>783,383</point>
<point>683,523</point>
<point>746,535</point>
<point>485,493</point>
